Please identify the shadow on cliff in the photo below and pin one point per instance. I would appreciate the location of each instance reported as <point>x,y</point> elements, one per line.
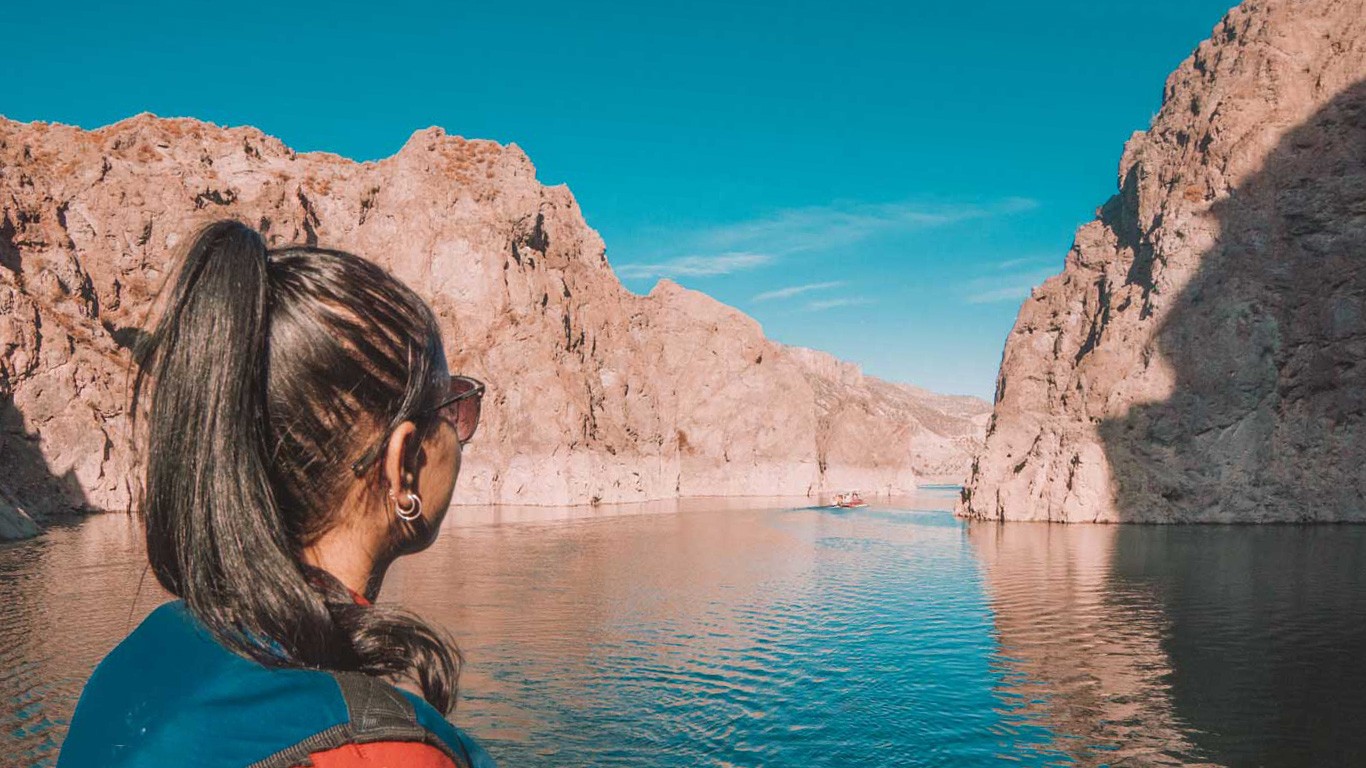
<point>1266,343</point>
<point>26,479</point>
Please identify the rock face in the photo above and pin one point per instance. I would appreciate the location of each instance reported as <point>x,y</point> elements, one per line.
<point>1200,358</point>
<point>1085,650</point>
<point>596,394</point>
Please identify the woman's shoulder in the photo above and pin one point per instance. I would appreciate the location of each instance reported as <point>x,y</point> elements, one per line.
<point>381,711</point>
<point>428,718</point>
<point>383,753</point>
<point>169,680</point>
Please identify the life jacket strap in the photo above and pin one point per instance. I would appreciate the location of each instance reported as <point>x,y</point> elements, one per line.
<point>377,712</point>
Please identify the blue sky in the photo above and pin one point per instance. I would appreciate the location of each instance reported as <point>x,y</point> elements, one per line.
<point>884,181</point>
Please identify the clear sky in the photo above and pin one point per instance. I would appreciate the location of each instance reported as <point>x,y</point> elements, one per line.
<point>884,181</point>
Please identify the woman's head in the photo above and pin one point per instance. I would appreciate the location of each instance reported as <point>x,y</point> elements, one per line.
<point>294,392</point>
<point>354,369</point>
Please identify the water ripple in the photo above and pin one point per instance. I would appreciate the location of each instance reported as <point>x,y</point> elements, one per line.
<point>774,637</point>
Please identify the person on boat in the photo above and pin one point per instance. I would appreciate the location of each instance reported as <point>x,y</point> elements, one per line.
<point>302,431</point>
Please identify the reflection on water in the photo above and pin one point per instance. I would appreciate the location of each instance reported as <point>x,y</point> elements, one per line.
<point>66,599</point>
<point>1267,636</point>
<point>719,634</point>
<point>1081,650</point>
<point>741,637</point>
<point>1152,645</point>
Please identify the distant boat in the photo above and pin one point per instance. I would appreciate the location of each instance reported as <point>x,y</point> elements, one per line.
<point>849,501</point>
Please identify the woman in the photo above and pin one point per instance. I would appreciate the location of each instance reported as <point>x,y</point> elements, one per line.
<point>302,432</point>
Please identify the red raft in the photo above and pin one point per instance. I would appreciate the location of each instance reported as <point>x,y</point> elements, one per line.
<point>849,501</point>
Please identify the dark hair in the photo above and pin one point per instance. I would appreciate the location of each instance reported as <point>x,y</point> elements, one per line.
<point>271,371</point>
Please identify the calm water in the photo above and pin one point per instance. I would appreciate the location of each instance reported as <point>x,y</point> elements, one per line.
<point>808,637</point>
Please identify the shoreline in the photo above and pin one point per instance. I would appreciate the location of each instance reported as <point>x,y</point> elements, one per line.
<point>942,497</point>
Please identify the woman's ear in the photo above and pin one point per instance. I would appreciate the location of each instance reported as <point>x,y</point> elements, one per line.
<point>396,453</point>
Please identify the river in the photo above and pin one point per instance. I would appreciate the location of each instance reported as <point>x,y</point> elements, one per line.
<point>746,633</point>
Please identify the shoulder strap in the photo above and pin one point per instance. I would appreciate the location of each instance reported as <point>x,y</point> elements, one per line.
<point>378,712</point>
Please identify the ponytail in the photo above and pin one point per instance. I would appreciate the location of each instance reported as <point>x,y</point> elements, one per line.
<point>223,503</point>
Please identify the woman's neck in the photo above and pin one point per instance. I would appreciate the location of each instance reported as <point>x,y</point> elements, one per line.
<point>353,559</point>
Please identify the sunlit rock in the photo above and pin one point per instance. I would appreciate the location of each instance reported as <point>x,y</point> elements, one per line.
<point>596,394</point>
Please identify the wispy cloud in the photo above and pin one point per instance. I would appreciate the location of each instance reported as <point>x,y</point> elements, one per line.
<point>796,290</point>
<point>1009,287</point>
<point>1025,261</point>
<point>851,301</point>
<point>1008,293</point>
<point>695,266</point>
<point>816,229</point>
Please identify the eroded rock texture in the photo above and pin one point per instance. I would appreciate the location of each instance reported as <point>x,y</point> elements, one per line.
<point>1200,358</point>
<point>597,394</point>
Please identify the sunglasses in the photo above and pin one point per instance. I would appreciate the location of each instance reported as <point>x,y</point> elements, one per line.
<point>463,401</point>
<point>467,395</point>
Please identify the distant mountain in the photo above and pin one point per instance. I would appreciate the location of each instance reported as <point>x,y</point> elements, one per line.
<point>596,394</point>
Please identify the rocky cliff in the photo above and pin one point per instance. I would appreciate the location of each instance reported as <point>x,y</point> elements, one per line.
<point>597,394</point>
<point>1200,358</point>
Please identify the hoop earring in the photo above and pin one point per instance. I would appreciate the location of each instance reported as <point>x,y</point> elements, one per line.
<point>411,513</point>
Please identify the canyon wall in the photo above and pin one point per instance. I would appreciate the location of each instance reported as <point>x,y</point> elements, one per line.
<point>596,394</point>
<point>1200,358</point>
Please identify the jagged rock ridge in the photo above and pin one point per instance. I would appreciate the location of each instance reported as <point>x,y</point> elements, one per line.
<point>597,394</point>
<point>1199,359</point>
